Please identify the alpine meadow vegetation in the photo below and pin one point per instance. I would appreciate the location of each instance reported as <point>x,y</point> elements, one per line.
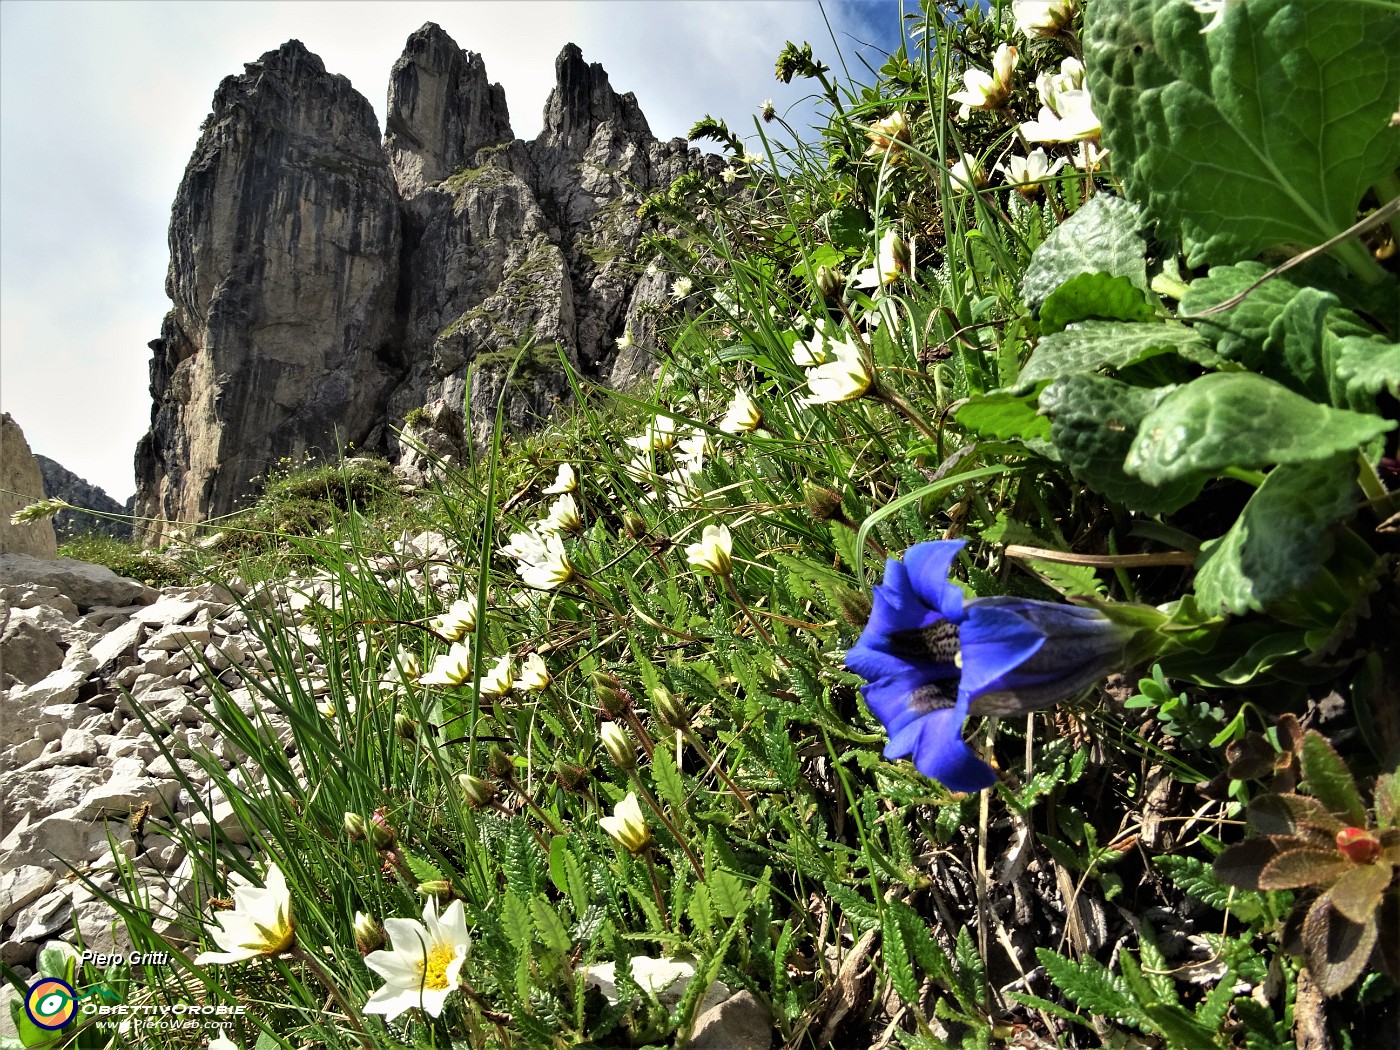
<point>983,631</point>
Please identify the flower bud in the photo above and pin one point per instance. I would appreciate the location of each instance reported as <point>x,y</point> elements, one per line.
<point>479,792</point>
<point>354,825</point>
<point>381,834</point>
<point>499,764</point>
<point>831,282</point>
<point>669,710</point>
<point>572,777</point>
<point>619,745</point>
<point>369,935</point>
<point>439,888</point>
<point>823,503</point>
<point>853,606</point>
<point>611,697</point>
<point>405,728</point>
<point>1358,845</point>
<point>633,524</point>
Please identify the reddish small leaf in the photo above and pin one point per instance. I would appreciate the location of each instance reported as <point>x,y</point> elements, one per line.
<point>1290,733</point>
<point>1360,846</point>
<point>1357,894</point>
<point>1279,814</point>
<point>1240,865</point>
<point>1302,867</point>
<point>1335,948</point>
<point>1329,780</point>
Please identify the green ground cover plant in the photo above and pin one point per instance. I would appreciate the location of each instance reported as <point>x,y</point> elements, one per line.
<point>1035,422</point>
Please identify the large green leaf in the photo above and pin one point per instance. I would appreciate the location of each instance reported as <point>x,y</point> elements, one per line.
<point>1238,419</point>
<point>1280,538</point>
<point>1283,330</point>
<point>1264,131</point>
<point>1093,421</point>
<point>1001,414</point>
<point>1094,345</point>
<point>1101,237</point>
<point>1366,367</point>
<point>1094,295</point>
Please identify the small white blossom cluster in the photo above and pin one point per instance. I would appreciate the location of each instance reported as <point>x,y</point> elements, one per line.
<point>681,485</point>
<point>837,367</point>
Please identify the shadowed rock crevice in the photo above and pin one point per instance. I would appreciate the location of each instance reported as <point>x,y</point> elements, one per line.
<point>324,284</point>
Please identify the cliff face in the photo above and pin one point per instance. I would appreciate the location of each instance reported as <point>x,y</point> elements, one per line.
<point>324,285</point>
<point>62,483</point>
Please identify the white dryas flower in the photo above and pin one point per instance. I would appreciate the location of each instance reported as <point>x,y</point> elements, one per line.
<point>888,135</point>
<point>988,90</point>
<point>259,924</point>
<point>712,553</point>
<point>498,680</point>
<point>968,172</point>
<point>1025,173</point>
<point>565,481</point>
<point>1089,157</point>
<point>549,568</point>
<point>625,339</point>
<point>682,287</point>
<point>691,452</point>
<point>728,175</point>
<point>424,964</point>
<point>815,351</point>
<point>659,434</point>
<point>404,669</point>
<point>1044,18</point>
<point>844,378</point>
<point>627,827</point>
<point>563,516</point>
<point>891,260</point>
<point>452,667</point>
<point>525,546</point>
<point>327,709</point>
<point>459,620</point>
<point>742,415</point>
<point>1068,112</point>
<point>534,675</point>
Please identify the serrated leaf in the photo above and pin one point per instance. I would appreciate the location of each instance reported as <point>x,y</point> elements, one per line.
<point>1094,295</point>
<point>897,958</point>
<point>1280,540</point>
<point>700,910</point>
<point>1101,237</point>
<point>1336,949</point>
<point>1091,346</point>
<point>667,779</point>
<point>1264,131</point>
<point>729,893</point>
<point>1093,423</point>
<point>1328,779</point>
<point>1238,419</point>
<point>1003,415</point>
<point>515,920</point>
<point>551,930</point>
<point>1090,985</point>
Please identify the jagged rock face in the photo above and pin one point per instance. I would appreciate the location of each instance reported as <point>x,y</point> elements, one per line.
<point>325,286</point>
<point>284,243</point>
<point>20,485</point>
<point>62,483</point>
<point>442,109</point>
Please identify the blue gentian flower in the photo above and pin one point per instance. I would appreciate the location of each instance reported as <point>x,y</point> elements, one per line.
<point>931,659</point>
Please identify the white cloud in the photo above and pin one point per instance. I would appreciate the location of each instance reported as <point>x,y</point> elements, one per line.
<point>100,107</point>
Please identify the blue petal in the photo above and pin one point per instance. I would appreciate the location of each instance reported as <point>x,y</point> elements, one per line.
<point>939,753</point>
<point>994,641</point>
<point>928,565</point>
<point>892,698</point>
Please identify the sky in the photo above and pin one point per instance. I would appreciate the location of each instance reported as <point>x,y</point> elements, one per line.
<point>100,108</point>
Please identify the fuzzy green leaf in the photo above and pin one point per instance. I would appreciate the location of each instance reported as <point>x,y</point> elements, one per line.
<point>1328,779</point>
<point>898,962</point>
<point>1101,237</point>
<point>1336,949</point>
<point>1280,539</point>
<point>1093,423</point>
<point>1183,118</point>
<point>1091,346</point>
<point>664,774</point>
<point>1003,415</point>
<point>515,918</point>
<point>548,925</point>
<point>1357,894</point>
<point>1297,868</point>
<point>1094,295</point>
<point>729,893</point>
<point>1238,419</point>
<point>1366,367</point>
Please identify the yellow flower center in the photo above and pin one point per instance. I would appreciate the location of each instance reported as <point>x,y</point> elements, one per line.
<point>433,968</point>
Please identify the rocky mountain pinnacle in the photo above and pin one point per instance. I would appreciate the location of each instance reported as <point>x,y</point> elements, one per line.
<point>324,285</point>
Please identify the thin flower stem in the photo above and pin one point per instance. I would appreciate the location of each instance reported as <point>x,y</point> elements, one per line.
<point>889,397</point>
<point>322,975</point>
<point>713,766</point>
<point>548,822</point>
<point>758,627</point>
<point>656,887</point>
<point>661,814</point>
